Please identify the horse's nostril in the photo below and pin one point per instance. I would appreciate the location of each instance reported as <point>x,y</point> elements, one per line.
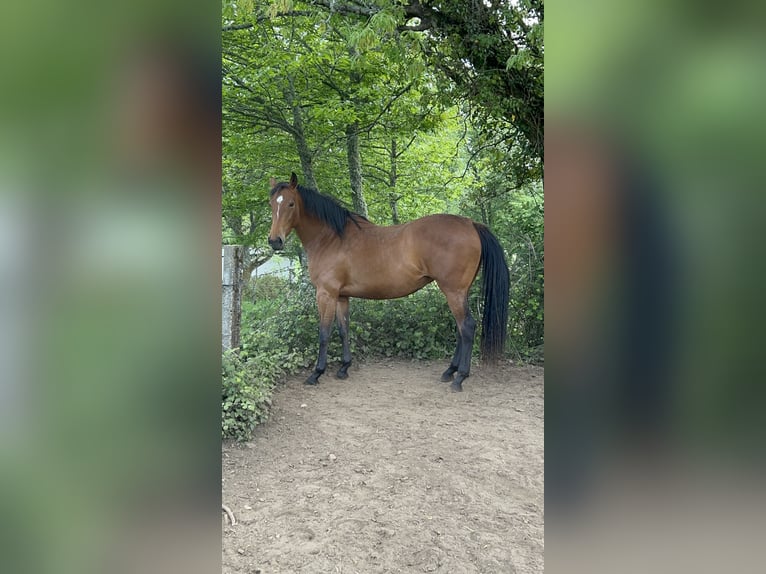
<point>276,244</point>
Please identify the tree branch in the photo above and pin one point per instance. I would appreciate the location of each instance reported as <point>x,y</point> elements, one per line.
<point>387,107</point>
<point>233,27</point>
<point>382,180</point>
<point>263,18</point>
<point>357,9</point>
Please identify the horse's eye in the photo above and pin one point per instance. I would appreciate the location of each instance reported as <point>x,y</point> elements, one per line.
<point>292,204</point>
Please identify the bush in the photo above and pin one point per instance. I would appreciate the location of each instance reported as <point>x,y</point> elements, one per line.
<point>269,287</point>
<point>250,372</point>
<point>263,359</point>
<point>419,326</point>
<point>280,335</point>
<point>245,398</point>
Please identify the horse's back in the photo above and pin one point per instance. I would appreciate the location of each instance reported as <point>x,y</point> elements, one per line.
<point>426,239</point>
<point>443,229</point>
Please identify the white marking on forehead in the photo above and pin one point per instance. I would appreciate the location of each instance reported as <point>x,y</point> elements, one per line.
<point>280,199</point>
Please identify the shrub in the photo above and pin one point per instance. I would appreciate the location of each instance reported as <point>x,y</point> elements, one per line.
<point>419,326</point>
<point>284,331</point>
<point>268,287</point>
<point>277,334</point>
<point>245,398</point>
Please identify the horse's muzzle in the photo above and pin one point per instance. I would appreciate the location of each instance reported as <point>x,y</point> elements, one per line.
<point>276,244</point>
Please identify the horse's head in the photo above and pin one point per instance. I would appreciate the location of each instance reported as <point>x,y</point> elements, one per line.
<point>285,210</point>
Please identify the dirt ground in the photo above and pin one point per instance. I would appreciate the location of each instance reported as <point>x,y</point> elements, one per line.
<point>389,471</point>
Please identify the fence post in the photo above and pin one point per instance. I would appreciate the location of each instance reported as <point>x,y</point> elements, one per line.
<point>231,271</point>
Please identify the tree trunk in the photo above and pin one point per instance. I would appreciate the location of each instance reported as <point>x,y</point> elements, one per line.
<point>304,153</point>
<point>392,197</point>
<point>484,212</point>
<point>355,168</point>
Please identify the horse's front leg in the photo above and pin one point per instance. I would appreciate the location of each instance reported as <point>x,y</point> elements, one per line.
<point>342,314</point>
<point>326,304</point>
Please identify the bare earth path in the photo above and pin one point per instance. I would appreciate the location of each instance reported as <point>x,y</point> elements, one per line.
<point>389,471</point>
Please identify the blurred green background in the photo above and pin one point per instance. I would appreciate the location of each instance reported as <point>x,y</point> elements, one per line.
<point>109,294</point>
<point>654,179</point>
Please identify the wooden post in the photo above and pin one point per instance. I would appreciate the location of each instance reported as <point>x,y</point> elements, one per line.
<point>231,297</point>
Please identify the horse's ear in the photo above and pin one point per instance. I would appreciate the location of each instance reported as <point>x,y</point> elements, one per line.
<point>293,180</point>
<point>272,182</point>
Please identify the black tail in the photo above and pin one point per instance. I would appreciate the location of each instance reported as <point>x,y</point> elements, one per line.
<point>495,284</point>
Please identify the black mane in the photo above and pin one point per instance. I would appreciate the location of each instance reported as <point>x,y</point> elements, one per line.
<point>325,208</point>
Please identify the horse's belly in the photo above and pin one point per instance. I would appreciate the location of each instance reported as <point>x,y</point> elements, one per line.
<point>390,289</point>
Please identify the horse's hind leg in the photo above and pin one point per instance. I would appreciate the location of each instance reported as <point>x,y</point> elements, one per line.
<point>466,325</point>
<point>467,332</point>
<point>341,313</point>
<point>454,363</point>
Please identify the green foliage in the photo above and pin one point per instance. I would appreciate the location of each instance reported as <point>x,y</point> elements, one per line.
<point>278,7</point>
<point>264,357</point>
<point>268,287</point>
<point>527,267</point>
<point>517,219</point>
<point>277,332</point>
<point>246,397</point>
<point>416,327</point>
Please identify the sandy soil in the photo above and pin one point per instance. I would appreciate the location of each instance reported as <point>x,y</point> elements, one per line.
<point>389,471</point>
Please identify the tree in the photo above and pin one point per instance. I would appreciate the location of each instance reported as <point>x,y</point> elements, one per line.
<point>489,54</point>
<point>270,98</point>
<point>321,77</point>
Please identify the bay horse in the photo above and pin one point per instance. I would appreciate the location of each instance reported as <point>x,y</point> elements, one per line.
<point>348,256</point>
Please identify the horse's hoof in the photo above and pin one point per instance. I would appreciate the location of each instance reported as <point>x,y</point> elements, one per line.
<point>341,375</point>
<point>456,387</point>
<point>311,381</point>
<point>446,377</point>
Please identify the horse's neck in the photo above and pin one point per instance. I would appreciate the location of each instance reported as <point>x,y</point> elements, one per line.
<point>313,234</point>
